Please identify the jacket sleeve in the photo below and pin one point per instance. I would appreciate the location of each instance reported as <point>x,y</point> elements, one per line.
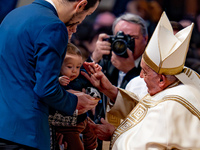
<point>50,48</point>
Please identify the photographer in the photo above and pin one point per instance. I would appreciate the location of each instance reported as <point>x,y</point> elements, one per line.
<point>115,65</point>
<point>120,70</point>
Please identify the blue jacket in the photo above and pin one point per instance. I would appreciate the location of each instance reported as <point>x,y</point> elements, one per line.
<point>33,43</point>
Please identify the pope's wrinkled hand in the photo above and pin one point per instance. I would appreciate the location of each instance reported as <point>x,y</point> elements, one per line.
<point>103,131</point>
<point>99,80</point>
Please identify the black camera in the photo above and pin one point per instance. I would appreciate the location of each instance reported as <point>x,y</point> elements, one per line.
<point>120,43</point>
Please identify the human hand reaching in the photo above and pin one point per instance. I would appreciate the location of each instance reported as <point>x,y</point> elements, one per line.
<point>92,67</point>
<point>62,144</point>
<point>99,80</point>
<point>103,131</point>
<point>95,75</point>
<point>85,102</point>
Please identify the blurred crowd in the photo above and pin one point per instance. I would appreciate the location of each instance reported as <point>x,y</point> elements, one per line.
<point>87,32</point>
<point>183,12</point>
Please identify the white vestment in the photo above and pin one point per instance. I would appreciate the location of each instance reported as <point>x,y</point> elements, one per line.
<point>169,119</point>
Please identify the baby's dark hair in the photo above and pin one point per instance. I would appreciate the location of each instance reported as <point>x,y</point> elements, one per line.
<point>72,49</point>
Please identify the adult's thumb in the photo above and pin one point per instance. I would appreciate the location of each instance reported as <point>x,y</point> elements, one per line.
<point>103,121</point>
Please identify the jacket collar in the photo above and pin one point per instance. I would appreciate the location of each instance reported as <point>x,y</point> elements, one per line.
<point>46,4</point>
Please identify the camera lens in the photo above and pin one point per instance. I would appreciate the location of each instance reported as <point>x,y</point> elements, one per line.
<point>119,46</point>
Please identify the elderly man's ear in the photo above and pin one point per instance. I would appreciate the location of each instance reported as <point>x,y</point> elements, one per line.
<point>81,5</point>
<point>163,82</point>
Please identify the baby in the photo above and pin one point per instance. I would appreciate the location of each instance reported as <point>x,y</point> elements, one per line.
<point>72,126</point>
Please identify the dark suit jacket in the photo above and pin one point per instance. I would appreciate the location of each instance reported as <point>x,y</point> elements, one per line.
<point>33,43</point>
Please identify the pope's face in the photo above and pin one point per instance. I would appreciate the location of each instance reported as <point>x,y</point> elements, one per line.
<point>151,78</point>
<point>134,30</point>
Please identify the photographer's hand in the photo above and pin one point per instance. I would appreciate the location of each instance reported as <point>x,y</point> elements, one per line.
<point>102,48</point>
<point>123,64</point>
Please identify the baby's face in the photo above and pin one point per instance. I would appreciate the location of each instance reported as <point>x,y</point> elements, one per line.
<point>71,66</point>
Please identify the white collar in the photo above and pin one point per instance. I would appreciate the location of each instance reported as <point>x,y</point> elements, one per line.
<point>137,61</point>
<point>51,2</point>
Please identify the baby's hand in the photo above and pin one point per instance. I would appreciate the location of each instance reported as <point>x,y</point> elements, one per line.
<point>91,67</point>
<point>98,67</point>
<point>64,80</point>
